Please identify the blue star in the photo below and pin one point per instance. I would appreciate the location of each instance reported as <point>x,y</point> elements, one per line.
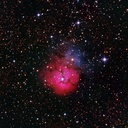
<point>104,59</point>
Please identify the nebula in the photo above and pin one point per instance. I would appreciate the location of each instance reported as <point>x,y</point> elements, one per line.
<point>61,75</point>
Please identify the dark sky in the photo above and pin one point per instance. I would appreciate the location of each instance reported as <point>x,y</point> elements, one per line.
<point>93,34</point>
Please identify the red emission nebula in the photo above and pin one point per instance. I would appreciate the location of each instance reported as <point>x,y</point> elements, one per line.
<point>60,75</point>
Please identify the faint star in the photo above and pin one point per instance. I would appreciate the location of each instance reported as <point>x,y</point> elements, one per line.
<point>14,61</point>
<point>85,41</point>
<point>77,121</point>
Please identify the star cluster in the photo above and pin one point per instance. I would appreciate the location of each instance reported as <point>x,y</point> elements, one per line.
<point>91,35</point>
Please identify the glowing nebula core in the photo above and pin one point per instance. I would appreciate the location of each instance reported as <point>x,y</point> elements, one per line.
<point>61,76</point>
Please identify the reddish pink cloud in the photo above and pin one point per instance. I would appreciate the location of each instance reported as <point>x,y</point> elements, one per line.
<point>61,76</point>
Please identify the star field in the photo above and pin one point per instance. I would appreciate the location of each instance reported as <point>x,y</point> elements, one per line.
<point>91,36</point>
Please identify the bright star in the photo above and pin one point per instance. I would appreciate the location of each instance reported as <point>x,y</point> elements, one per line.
<point>51,36</point>
<point>78,22</point>
<point>38,14</point>
<point>104,59</point>
<point>72,59</point>
<point>62,79</point>
<point>65,114</point>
